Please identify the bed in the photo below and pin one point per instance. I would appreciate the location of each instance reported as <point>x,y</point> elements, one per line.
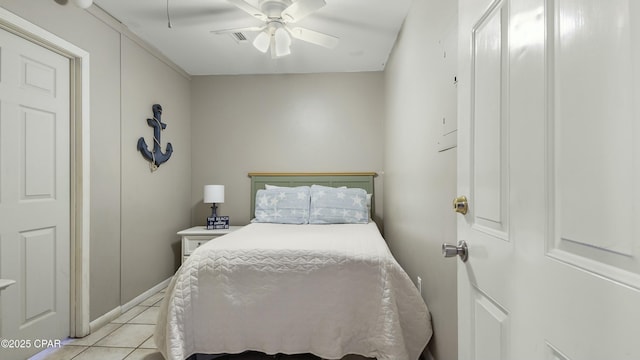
<point>326,288</point>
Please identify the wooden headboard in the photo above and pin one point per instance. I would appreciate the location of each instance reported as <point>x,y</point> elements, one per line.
<point>363,180</point>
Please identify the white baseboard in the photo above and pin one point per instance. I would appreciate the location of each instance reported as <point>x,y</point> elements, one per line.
<point>104,319</point>
<point>113,314</point>
<point>145,295</point>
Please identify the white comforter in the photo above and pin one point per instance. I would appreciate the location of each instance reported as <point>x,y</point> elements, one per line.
<point>330,290</point>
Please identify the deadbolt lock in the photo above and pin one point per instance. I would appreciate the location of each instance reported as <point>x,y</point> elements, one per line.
<point>460,205</point>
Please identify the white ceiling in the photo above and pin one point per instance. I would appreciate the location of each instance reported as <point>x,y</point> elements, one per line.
<point>367,30</point>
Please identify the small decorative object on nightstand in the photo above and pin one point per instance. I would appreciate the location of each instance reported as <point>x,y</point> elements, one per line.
<point>196,236</point>
<point>214,194</point>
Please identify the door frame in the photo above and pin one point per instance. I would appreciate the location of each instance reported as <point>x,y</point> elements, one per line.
<point>79,161</point>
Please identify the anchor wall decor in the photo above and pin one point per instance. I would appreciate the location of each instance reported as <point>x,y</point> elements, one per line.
<point>155,157</point>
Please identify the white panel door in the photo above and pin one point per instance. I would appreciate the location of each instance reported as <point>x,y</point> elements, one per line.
<point>34,194</point>
<point>484,293</point>
<point>549,158</point>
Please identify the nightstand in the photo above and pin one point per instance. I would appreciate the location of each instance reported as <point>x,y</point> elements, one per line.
<point>194,237</point>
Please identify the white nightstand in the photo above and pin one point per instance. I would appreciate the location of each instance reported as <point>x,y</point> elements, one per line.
<point>194,237</point>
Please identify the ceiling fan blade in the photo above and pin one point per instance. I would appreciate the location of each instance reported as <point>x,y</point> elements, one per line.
<point>314,37</point>
<point>249,9</point>
<point>229,31</point>
<point>300,9</point>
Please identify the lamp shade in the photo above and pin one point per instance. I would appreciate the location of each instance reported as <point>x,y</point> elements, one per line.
<point>214,194</point>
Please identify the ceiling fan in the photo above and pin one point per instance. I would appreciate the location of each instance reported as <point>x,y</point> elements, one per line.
<point>276,33</point>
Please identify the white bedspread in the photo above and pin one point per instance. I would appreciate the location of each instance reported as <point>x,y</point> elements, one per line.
<point>330,290</point>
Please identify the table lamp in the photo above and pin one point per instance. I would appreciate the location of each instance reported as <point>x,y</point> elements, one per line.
<point>213,194</point>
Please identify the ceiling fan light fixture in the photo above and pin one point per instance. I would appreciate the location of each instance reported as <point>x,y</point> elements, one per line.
<point>275,34</point>
<point>282,42</point>
<point>262,41</point>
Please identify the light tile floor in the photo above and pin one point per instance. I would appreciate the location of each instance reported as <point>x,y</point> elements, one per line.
<point>130,337</point>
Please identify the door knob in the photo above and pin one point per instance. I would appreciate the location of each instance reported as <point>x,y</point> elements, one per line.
<point>461,250</point>
<point>460,205</point>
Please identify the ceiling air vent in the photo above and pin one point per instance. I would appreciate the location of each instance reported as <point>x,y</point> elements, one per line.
<point>239,37</point>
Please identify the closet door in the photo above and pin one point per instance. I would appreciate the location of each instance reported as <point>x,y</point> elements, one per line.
<point>34,196</point>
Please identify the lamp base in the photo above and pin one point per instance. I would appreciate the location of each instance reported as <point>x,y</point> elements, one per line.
<point>217,222</point>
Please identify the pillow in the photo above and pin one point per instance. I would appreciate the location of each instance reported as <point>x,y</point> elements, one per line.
<point>283,205</point>
<point>338,205</point>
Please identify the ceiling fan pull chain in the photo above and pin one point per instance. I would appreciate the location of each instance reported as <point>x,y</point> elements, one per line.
<point>168,16</point>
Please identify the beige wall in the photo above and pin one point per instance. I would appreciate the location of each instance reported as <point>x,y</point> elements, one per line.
<point>420,181</point>
<point>155,205</point>
<point>282,123</point>
<point>120,104</point>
